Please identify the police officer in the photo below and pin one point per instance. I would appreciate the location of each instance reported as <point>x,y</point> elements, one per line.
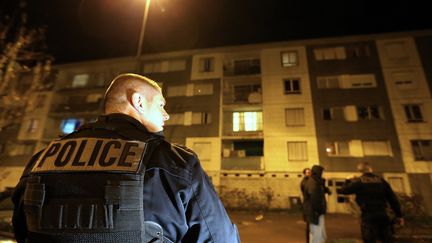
<point>373,194</point>
<point>119,180</point>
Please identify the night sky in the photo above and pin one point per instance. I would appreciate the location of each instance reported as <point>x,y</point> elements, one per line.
<point>93,29</point>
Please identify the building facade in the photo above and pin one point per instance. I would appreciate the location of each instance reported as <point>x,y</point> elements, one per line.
<point>258,114</point>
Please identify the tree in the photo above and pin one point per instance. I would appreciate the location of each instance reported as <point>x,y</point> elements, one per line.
<point>24,65</point>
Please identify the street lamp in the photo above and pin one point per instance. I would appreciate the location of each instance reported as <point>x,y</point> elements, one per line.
<point>141,37</point>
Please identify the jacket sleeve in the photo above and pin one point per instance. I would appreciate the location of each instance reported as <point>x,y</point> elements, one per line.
<point>350,187</point>
<point>18,217</point>
<point>207,218</point>
<point>313,189</point>
<point>392,199</point>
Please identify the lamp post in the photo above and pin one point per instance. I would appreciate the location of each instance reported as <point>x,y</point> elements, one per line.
<point>141,37</point>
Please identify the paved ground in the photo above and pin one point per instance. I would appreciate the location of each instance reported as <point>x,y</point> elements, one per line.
<point>289,227</point>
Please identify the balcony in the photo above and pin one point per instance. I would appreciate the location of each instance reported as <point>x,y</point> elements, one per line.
<point>242,94</point>
<point>242,67</point>
<point>245,163</point>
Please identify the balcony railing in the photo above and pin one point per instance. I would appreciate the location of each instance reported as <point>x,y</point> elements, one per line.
<point>242,67</point>
<point>243,163</point>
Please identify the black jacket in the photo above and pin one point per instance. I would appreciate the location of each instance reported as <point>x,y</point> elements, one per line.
<point>177,195</point>
<point>372,195</point>
<point>314,203</point>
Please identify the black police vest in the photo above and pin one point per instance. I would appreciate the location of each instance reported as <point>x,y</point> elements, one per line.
<point>88,190</point>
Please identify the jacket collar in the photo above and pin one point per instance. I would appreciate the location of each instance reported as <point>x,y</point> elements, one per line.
<point>123,118</point>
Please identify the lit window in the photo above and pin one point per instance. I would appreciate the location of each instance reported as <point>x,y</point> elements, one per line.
<point>289,58</point>
<point>332,53</point>
<point>377,148</point>
<point>340,148</point>
<point>292,86</point>
<point>70,125</point>
<point>422,149</point>
<point>247,121</point>
<point>413,113</point>
<point>80,80</point>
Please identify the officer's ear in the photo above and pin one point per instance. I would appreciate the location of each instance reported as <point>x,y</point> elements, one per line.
<point>138,102</point>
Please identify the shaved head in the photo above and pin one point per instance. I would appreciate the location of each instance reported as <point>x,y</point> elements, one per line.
<point>121,89</point>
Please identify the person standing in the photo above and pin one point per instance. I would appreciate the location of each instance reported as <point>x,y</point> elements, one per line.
<point>373,194</point>
<point>118,180</point>
<point>315,206</point>
<point>306,175</point>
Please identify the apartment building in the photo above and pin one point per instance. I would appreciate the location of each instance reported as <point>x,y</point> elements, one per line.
<point>258,114</point>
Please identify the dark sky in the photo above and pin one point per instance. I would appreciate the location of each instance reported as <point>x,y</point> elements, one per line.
<point>94,29</point>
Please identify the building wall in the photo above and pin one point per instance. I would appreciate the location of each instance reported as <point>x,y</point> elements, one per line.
<point>348,130</point>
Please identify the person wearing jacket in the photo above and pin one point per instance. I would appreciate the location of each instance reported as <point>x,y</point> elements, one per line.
<point>314,205</point>
<point>373,194</point>
<point>119,180</point>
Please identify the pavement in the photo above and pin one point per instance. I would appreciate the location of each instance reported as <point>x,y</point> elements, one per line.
<point>289,227</point>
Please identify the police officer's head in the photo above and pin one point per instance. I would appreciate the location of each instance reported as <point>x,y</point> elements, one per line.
<point>138,97</point>
<point>364,167</point>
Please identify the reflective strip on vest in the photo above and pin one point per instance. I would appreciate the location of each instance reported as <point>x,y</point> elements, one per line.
<point>91,154</point>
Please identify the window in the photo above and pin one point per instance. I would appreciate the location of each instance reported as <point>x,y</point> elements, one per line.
<point>422,149</point>
<point>334,113</point>
<point>165,66</point>
<point>80,80</point>
<point>178,90</point>
<point>356,51</point>
<point>203,89</point>
<point>377,148</point>
<point>359,81</point>
<point>247,121</point>
<point>69,125</point>
<point>413,113</point>
<point>201,118</point>
<point>22,149</point>
<point>346,81</point>
<point>292,86</point>
<point>176,119</point>
<point>334,53</point>
<point>294,117</point>
<point>203,150</point>
<point>328,82</point>
<point>297,151</point>
<point>340,148</point>
<point>368,112</point>
<point>289,58</point>
<point>206,64</point>
<point>249,148</point>
<point>247,67</point>
<point>33,125</point>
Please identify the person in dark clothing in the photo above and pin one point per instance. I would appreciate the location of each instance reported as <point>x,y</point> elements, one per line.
<point>306,174</point>
<point>314,205</point>
<point>119,180</point>
<point>373,195</point>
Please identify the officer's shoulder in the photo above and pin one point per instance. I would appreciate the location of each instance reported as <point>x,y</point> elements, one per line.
<point>174,155</point>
